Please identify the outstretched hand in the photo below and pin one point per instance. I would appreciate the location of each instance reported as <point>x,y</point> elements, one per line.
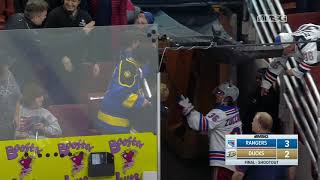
<point>67,64</point>
<point>186,105</point>
<point>96,70</point>
<point>146,103</point>
<point>88,28</point>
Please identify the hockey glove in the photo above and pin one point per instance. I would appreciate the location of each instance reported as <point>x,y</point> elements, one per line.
<point>186,105</point>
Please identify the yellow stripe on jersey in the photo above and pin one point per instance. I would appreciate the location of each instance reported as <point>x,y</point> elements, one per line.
<point>114,121</point>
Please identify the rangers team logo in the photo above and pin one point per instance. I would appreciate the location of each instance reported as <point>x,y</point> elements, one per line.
<point>231,143</point>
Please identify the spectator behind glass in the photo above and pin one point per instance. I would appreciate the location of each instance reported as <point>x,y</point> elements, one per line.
<point>69,15</point>
<point>262,124</point>
<point>144,18</point>
<point>34,15</point>
<point>36,122</point>
<point>30,60</point>
<point>9,102</point>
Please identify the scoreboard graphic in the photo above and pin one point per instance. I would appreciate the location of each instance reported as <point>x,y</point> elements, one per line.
<point>261,149</point>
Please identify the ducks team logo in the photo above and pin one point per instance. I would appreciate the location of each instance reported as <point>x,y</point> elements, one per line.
<point>25,163</point>
<point>128,157</point>
<point>77,163</point>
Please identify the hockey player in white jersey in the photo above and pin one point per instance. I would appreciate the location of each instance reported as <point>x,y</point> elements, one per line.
<point>223,119</point>
<point>306,54</point>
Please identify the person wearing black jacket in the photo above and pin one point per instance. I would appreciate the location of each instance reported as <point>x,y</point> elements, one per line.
<point>33,17</point>
<point>25,47</point>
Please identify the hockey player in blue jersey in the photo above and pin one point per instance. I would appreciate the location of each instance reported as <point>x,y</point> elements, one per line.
<point>124,95</point>
<point>306,54</point>
<point>223,119</point>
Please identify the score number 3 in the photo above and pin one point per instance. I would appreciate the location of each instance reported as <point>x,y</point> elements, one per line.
<point>287,143</point>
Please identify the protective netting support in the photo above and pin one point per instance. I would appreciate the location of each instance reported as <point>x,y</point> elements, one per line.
<point>300,95</point>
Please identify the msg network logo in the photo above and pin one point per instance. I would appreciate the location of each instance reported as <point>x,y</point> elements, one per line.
<point>271,18</point>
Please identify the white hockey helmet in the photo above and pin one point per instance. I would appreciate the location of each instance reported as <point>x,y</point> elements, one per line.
<point>227,89</point>
<point>284,38</point>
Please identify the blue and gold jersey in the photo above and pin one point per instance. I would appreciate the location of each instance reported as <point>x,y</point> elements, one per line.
<point>123,95</point>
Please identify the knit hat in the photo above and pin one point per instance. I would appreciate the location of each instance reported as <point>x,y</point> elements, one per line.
<point>149,17</point>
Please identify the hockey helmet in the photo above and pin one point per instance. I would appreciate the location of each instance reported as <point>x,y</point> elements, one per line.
<point>227,89</point>
<point>284,38</point>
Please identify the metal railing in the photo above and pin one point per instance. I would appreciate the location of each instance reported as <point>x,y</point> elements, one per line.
<point>302,98</point>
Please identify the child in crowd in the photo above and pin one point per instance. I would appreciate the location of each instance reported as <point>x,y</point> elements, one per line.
<point>36,122</point>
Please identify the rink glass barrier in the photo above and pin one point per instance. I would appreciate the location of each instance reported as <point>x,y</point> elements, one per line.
<point>67,93</point>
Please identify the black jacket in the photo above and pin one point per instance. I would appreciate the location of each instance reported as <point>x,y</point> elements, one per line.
<point>19,21</point>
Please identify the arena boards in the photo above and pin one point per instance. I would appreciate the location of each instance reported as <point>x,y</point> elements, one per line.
<point>68,158</point>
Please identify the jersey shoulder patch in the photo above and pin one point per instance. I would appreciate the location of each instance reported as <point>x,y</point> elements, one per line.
<point>128,72</point>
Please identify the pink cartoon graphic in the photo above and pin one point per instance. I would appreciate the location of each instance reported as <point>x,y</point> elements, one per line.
<point>25,162</point>
<point>128,156</point>
<point>77,163</point>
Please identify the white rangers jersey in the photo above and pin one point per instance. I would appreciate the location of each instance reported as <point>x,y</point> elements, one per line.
<point>307,55</point>
<point>217,123</point>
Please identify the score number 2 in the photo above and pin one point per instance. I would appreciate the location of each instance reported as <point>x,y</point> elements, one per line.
<point>287,154</point>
